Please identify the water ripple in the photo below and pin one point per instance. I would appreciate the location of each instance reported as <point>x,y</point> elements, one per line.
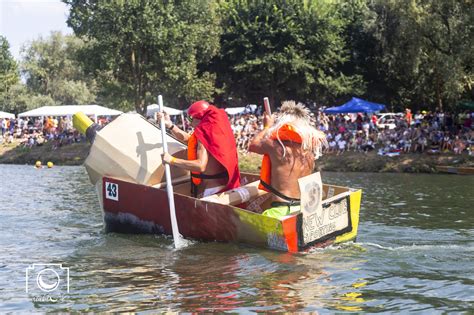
<point>414,254</point>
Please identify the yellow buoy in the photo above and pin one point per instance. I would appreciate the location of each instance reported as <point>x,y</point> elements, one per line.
<point>38,164</point>
<point>50,164</point>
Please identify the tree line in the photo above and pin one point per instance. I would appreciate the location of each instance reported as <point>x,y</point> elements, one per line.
<point>402,53</point>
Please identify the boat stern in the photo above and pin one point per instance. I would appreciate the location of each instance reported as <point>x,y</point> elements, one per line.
<point>337,222</point>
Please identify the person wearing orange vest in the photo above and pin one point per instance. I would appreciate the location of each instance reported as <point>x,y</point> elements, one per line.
<point>289,145</point>
<point>212,152</point>
<point>408,116</point>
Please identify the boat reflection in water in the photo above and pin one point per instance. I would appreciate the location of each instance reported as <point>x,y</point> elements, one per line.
<point>155,277</point>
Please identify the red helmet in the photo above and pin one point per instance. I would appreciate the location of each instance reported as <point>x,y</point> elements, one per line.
<point>197,109</point>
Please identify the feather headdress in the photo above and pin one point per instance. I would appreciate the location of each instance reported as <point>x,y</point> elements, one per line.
<point>298,116</point>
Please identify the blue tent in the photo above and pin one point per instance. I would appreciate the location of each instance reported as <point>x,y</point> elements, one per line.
<point>355,105</point>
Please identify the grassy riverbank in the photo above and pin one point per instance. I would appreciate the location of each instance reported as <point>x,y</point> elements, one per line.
<point>75,154</point>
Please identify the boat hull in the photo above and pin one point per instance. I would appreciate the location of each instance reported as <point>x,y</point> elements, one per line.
<point>134,208</point>
<point>456,170</point>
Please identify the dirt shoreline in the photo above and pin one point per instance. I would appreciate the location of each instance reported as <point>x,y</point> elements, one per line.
<point>76,153</point>
<point>73,154</point>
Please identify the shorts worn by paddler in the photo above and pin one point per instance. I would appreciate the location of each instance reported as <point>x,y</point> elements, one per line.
<point>279,210</point>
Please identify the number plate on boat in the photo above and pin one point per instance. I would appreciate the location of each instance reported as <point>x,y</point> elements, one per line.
<point>111,191</point>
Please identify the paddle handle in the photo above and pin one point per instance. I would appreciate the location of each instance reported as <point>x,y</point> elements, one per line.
<point>169,184</point>
<point>266,104</point>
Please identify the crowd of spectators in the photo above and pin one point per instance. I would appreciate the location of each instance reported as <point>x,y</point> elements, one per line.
<point>424,132</point>
<point>29,132</point>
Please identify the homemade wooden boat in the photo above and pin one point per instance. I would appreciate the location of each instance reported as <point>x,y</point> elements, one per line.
<point>134,198</point>
<point>455,170</point>
<point>134,208</point>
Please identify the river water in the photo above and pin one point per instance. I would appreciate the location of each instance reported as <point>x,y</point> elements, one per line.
<point>414,253</point>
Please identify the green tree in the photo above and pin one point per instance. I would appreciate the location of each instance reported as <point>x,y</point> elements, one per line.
<point>142,48</point>
<point>20,99</point>
<point>448,37</point>
<point>51,67</point>
<point>284,50</point>
<point>9,75</point>
<point>423,51</point>
<point>363,51</point>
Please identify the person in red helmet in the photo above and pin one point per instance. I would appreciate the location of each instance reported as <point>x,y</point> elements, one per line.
<point>212,152</point>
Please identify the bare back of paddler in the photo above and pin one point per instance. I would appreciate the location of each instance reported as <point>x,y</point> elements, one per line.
<point>287,168</point>
<point>290,146</point>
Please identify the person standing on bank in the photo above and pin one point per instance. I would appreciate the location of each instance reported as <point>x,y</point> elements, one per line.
<point>212,152</point>
<point>289,145</point>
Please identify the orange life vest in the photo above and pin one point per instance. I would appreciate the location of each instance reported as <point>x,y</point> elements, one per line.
<point>285,133</point>
<point>192,155</point>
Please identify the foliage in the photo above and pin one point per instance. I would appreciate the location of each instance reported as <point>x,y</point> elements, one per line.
<point>20,99</point>
<point>8,71</point>
<point>51,67</point>
<point>403,53</point>
<point>362,48</point>
<point>423,51</point>
<point>284,50</point>
<point>144,46</point>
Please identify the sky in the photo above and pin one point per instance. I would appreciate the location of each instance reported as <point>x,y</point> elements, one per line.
<point>25,20</point>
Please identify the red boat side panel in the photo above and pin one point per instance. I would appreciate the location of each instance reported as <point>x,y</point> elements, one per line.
<point>196,219</point>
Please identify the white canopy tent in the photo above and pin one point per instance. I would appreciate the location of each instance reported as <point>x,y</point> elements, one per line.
<point>241,110</point>
<point>152,109</point>
<point>6,115</point>
<point>69,110</point>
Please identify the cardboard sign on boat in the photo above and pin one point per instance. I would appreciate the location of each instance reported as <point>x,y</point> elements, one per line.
<point>130,148</point>
<point>320,221</point>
